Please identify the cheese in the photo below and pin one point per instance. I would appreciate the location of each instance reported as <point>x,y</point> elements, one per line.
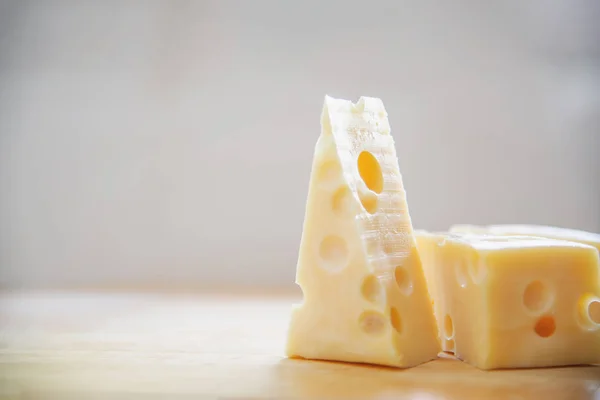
<point>514,301</point>
<point>551,232</point>
<point>427,255</point>
<point>365,296</point>
<point>427,243</point>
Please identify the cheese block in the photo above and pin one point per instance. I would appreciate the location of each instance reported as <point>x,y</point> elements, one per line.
<point>514,301</point>
<point>427,243</point>
<point>552,232</point>
<point>365,296</point>
<point>427,255</point>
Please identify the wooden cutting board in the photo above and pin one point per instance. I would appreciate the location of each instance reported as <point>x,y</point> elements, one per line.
<point>92,345</point>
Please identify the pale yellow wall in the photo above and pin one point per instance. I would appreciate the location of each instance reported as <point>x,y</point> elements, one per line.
<point>171,141</point>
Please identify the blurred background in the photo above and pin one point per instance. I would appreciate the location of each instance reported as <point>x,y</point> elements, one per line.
<point>170,142</point>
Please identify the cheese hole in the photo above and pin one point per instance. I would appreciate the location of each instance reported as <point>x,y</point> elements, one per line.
<point>368,201</point>
<point>403,280</point>
<point>545,326</point>
<point>588,309</point>
<point>396,320</point>
<point>329,172</point>
<point>370,171</point>
<point>371,289</point>
<point>593,310</point>
<point>536,296</point>
<point>448,327</point>
<point>372,322</point>
<point>341,200</point>
<point>334,253</point>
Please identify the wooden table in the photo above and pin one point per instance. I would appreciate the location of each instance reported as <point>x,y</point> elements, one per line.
<point>86,345</point>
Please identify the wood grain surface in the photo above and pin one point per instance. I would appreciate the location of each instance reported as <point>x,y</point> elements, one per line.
<point>102,345</point>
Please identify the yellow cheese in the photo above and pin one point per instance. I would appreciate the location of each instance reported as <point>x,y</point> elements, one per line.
<point>427,255</point>
<point>551,232</point>
<point>514,301</point>
<point>427,243</point>
<point>365,297</point>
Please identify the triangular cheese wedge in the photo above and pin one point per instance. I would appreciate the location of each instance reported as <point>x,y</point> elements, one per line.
<point>365,297</point>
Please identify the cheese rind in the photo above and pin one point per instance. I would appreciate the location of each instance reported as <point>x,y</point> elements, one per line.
<point>365,297</point>
<point>550,232</point>
<point>514,301</point>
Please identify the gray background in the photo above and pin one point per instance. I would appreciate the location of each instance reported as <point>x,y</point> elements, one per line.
<point>170,142</point>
